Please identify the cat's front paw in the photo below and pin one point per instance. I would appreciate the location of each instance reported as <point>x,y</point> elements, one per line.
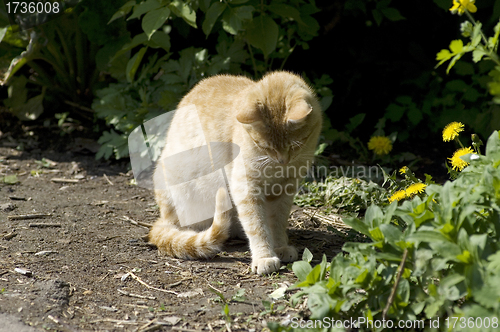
<point>265,265</point>
<point>287,254</point>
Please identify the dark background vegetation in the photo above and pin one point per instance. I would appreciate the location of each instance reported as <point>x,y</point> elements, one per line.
<point>378,65</point>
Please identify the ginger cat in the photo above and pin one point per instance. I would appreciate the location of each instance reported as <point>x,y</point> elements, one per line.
<point>274,125</point>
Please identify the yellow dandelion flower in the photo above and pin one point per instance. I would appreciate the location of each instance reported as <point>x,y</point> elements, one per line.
<point>460,6</point>
<point>397,196</point>
<point>457,163</point>
<point>403,170</point>
<point>380,145</point>
<point>452,130</point>
<point>414,189</point>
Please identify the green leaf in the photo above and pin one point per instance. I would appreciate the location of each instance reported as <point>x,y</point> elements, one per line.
<point>244,13</point>
<point>494,262</point>
<point>31,110</point>
<point>325,102</point>
<point>376,234</point>
<point>427,236</point>
<point>493,41</point>
<point>377,16</point>
<point>124,10</point>
<point>476,34</point>
<point>154,19</point>
<point>315,275</point>
<point>391,233</point>
<point>357,225</point>
<point>493,144</point>
<point>3,31</point>
<point>394,112</point>
<point>355,121</point>
<point>17,63</point>
<point>232,20</point>
<point>133,64</point>
<point>361,277</point>
<point>465,257</point>
<point>213,13</point>
<point>160,39</point>
<point>453,61</point>
<point>301,269</point>
<point>263,34</point>
<point>478,54</point>
<point>415,115</point>
<point>456,46</point>
<point>307,256</point>
<point>285,11</point>
<point>392,14</point>
<point>144,7</point>
<point>187,13</point>
<point>9,179</point>
<point>374,216</point>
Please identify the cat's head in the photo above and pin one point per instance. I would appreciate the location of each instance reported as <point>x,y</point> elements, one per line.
<point>282,116</point>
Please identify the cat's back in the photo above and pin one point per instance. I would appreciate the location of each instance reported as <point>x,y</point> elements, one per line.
<point>216,92</point>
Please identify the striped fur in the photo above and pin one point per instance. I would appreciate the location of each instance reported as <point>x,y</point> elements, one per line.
<point>190,244</point>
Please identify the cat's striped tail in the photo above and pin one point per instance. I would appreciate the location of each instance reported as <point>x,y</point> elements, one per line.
<point>190,244</point>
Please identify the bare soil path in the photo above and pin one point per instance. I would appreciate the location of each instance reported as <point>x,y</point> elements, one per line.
<point>72,257</point>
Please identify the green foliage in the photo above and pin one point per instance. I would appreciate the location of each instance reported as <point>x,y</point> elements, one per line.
<point>380,10</point>
<point>61,53</point>
<point>432,257</point>
<point>435,103</point>
<point>432,98</point>
<point>345,194</point>
<point>482,48</point>
<point>152,75</point>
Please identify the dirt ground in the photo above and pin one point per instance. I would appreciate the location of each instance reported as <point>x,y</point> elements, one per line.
<point>81,263</point>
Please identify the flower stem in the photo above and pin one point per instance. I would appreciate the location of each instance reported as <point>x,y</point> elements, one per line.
<point>456,138</point>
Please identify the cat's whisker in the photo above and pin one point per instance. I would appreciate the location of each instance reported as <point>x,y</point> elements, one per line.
<point>260,162</point>
<point>297,144</point>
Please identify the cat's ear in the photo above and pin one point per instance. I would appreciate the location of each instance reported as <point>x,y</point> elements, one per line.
<point>299,112</point>
<point>249,115</point>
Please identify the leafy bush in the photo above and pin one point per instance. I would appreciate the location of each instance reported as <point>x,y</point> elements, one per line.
<point>346,194</point>
<point>431,257</point>
<point>61,54</point>
<point>252,37</point>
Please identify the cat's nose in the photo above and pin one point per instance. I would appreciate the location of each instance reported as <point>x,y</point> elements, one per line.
<point>283,159</point>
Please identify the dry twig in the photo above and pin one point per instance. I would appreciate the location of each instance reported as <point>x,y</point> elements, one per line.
<point>29,216</point>
<point>42,225</point>
<point>9,236</point>
<point>107,179</point>
<point>136,295</point>
<point>61,180</point>
<point>148,286</point>
<point>396,283</point>
<point>139,223</point>
<point>116,321</point>
<point>183,329</point>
